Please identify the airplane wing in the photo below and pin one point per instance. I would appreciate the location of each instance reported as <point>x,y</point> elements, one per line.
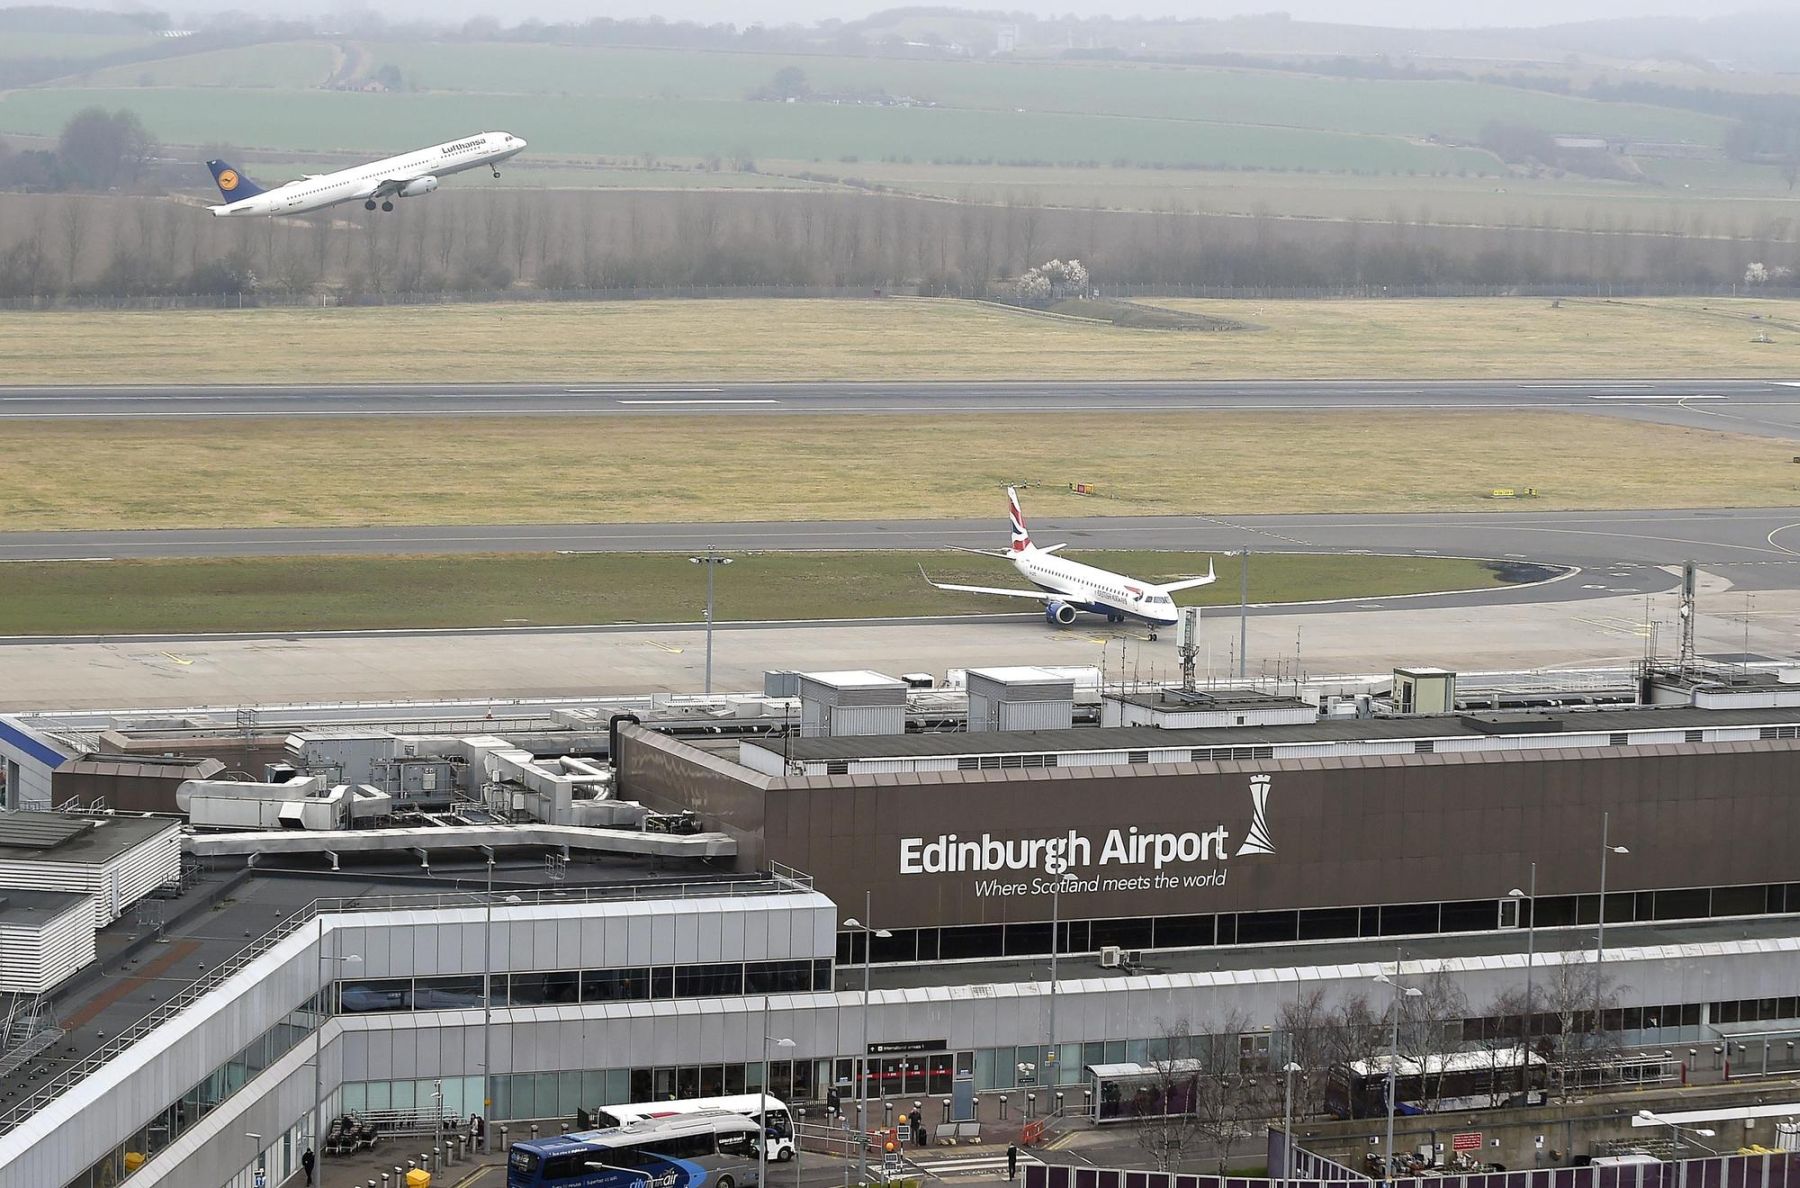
<point>387,187</point>
<point>1039,595</point>
<point>1190,583</point>
<point>979,552</point>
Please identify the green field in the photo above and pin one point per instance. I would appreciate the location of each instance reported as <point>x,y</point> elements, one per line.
<point>340,120</point>
<point>281,65</point>
<point>349,593</point>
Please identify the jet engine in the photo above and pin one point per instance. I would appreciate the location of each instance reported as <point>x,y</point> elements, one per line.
<point>1058,614</point>
<point>417,186</point>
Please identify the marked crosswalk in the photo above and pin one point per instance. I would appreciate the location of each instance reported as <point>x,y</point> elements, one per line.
<point>987,1167</point>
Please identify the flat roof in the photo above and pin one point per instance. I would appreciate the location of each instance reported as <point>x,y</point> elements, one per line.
<point>1306,954</point>
<point>1201,700</point>
<point>1028,673</point>
<point>34,909</point>
<point>1141,738</point>
<point>67,837</point>
<point>854,678</point>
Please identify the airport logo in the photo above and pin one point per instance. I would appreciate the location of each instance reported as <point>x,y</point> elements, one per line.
<point>1257,841</point>
<point>228,180</point>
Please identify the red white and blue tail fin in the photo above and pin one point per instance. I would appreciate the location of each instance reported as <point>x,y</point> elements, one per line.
<point>1021,539</point>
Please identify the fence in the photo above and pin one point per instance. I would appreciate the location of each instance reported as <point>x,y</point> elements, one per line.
<point>1778,1170</point>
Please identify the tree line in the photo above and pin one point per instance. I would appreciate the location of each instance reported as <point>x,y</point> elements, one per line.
<point>470,241</point>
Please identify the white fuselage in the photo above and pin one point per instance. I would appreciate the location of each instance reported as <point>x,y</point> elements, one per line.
<point>386,177</point>
<point>1097,590</point>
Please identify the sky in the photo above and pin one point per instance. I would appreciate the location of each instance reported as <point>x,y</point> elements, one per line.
<point>1411,13</point>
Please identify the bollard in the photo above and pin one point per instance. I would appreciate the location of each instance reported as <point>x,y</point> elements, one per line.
<point>386,1181</point>
<point>410,1165</point>
<point>1059,1097</point>
<point>1030,1106</point>
<point>946,1116</point>
<point>425,1162</point>
<point>503,1144</point>
<point>887,1108</point>
<point>565,1128</point>
<point>534,1130</point>
<point>1004,1099</point>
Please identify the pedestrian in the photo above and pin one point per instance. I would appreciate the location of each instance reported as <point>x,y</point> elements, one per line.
<point>1012,1160</point>
<point>306,1164</point>
<point>478,1128</point>
<point>832,1099</point>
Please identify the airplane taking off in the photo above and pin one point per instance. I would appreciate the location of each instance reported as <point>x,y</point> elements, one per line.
<point>1065,587</point>
<point>406,176</point>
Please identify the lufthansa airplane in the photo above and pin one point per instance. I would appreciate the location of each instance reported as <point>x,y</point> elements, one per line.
<point>1066,587</point>
<point>406,176</point>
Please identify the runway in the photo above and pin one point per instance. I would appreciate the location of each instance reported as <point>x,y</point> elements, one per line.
<point>1760,407</point>
<point>1764,543</point>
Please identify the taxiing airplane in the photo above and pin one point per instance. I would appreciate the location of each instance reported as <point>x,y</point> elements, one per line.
<point>1066,587</point>
<point>406,176</point>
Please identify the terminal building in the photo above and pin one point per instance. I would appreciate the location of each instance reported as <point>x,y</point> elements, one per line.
<point>674,882</point>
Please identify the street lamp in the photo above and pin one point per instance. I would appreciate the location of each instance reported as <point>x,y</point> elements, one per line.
<point>762,1113</point>
<point>1287,1124</point>
<point>1053,1057</point>
<point>1243,608</point>
<point>870,934</point>
<point>712,561</point>
<point>1394,1058</point>
<point>1528,899</point>
<point>1600,931</point>
<point>1650,1117</point>
<point>318,1060</point>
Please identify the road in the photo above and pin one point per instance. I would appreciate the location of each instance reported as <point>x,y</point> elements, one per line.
<point>1761,407</point>
<point>1762,545</point>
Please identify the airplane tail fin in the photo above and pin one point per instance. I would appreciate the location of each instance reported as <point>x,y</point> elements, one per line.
<point>1021,538</point>
<point>233,185</point>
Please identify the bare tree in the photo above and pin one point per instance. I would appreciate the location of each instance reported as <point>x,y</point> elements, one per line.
<point>1163,1101</point>
<point>1353,1033</point>
<point>1307,1023</point>
<point>1505,1041</point>
<point>1579,995</point>
<point>1431,1030</point>
<point>74,216</point>
<point>1228,1094</point>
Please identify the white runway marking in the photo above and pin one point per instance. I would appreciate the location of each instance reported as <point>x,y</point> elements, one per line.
<point>1653,396</point>
<point>720,400</point>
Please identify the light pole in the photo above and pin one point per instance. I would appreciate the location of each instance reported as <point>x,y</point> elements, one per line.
<point>487,1004</point>
<point>1400,992</point>
<point>762,1109</point>
<point>712,561</point>
<point>799,1121</point>
<point>1606,848</point>
<point>318,1060</point>
<point>437,1124</point>
<point>1528,900</point>
<point>862,1060</point>
<point>1287,1124</point>
<point>1053,1057</point>
<point>1243,610</point>
<point>1651,1117</point>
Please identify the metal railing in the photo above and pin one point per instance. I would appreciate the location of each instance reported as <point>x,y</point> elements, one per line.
<point>783,881</point>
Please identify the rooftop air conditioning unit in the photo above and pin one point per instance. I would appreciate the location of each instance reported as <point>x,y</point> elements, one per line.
<point>1132,958</point>
<point>1109,957</point>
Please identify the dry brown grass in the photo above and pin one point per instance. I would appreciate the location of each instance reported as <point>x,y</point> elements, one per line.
<point>917,339</point>
<point>93,474</point>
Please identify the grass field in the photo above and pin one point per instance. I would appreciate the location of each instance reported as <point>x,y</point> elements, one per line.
<point>523,470</point>
<point>334,120</point>
<point>918,339</point>
<point>293,65</point>
<point>346,593</point>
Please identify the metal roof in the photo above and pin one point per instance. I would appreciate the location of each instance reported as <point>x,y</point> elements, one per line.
<point>1141,738</point>
<point>94,839</point>
<point>39,831</point>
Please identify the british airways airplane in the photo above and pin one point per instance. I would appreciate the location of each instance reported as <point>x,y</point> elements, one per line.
<point>406,176</point>
<point>1066,587</point>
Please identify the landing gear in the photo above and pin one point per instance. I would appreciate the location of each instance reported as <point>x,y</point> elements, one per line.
<point>387,206</point>
<point>369,205</point>
<point>1153,636</point>
<point>496,174</point>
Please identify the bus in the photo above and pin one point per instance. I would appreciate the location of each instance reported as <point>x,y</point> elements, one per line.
<point>781,1121</point>
<point>716,1149</point>
<point>1450,1082</point>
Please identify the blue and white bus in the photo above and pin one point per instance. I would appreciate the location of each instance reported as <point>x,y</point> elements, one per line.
<point>780,1118</point>
<point>710,1150</point>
